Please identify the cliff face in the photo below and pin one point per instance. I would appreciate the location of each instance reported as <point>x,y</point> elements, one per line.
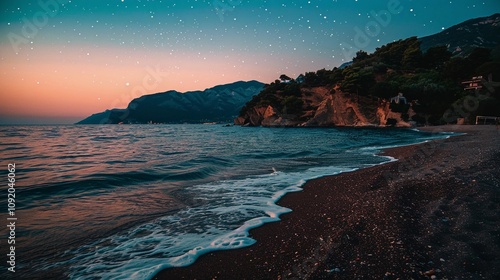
<point>323,108</point>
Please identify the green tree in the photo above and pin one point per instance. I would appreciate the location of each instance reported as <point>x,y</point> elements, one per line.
<point>457,69</point>
<point>360,56</point>
<point>383,90</point>
<point>436,57</point>
<point>323,77</point>
<point>292,89</point>
<point>358,80</point>
<point>336,76</point>
<point>434,95</point>
<point>479,56</point>
<point>292,105</point>
<point>392,54</point>
<point>311,79</point>
<point>412,56</point>
<point>285,78</point>
<point>488,68</point>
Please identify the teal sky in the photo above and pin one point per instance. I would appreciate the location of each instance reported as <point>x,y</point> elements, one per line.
<point>104,48</point>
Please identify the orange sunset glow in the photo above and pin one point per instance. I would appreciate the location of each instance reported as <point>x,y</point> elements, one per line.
<point>66,61</point>
<point>87,82</point>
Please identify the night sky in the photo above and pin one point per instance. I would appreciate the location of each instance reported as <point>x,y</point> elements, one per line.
<point>65,60</point>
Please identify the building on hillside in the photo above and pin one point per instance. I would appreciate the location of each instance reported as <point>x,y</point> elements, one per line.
<point>400,99</point>
<point>474,83</point>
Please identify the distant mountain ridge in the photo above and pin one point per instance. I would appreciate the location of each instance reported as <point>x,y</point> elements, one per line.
<point>462,38</point>
<point>217,104</point>
<point>409,82</point>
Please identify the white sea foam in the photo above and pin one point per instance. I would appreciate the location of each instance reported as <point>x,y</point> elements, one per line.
<point>221,218</point>
<point>179,160</point>
<point>222,221</point>
<point>230,209</point>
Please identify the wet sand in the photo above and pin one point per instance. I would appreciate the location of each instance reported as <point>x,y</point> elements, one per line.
<point>433,214</point>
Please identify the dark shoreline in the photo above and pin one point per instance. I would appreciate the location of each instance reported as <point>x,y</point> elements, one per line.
<point>433,213</point>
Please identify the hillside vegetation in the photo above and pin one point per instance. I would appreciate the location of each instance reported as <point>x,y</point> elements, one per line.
<point>431,81</point>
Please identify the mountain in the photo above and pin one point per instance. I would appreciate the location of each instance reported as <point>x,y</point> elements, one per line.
<point>106,117</point>
<point>220,103</point>
<point>407,82</point>
<point>462,38</point>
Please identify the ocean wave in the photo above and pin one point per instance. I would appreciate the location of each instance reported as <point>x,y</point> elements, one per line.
<point>207,187</point>
<point>236,206</point>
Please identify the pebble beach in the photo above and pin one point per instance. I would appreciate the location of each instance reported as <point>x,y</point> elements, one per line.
<point>432,214</point>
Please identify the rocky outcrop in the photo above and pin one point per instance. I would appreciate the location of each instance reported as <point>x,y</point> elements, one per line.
<point>338,110</point>
<point>384,114</point>
<point>266,116</point>
<point>326,106</point>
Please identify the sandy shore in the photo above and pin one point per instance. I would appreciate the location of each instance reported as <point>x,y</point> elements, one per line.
<point>434,214</point>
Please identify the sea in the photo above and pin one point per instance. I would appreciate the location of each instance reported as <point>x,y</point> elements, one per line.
<point>126,201</point>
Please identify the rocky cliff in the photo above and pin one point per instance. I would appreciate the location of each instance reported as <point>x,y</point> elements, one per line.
<point>325,106</point>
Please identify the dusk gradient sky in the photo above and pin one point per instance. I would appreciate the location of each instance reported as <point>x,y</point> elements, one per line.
<point>63,60</point>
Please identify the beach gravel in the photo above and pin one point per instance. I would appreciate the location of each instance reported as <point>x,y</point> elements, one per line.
<point>433,214</point>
